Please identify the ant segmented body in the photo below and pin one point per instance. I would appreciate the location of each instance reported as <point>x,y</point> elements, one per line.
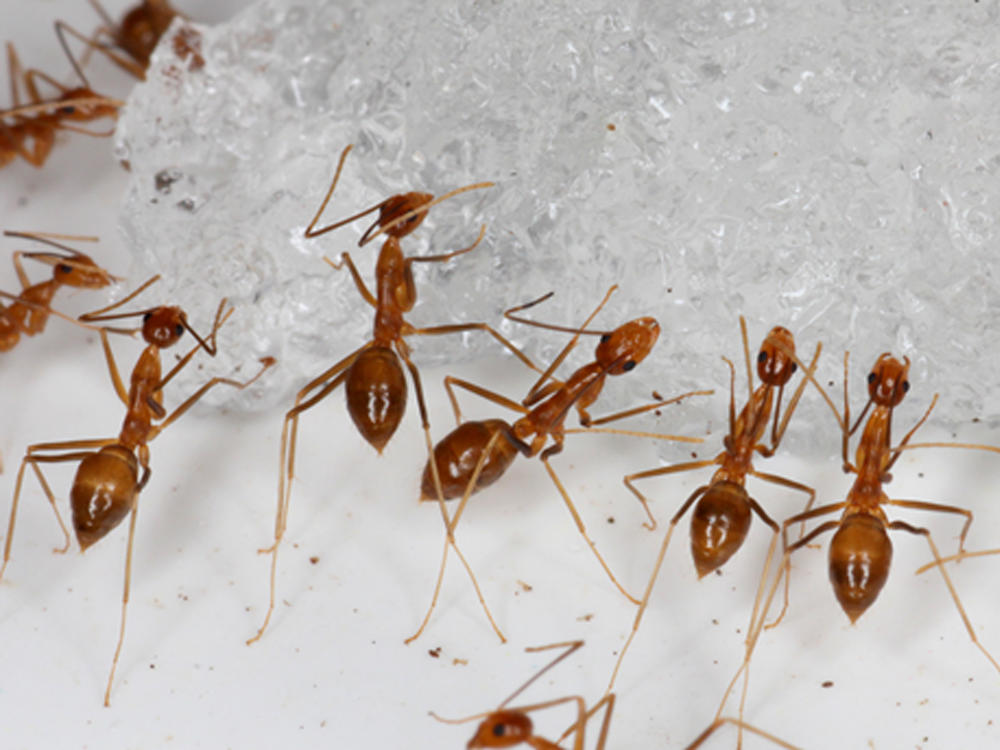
<point>29,130</point>
<point>372,376</point>
<point>29,310</point>
<point>723,509</point>
<point>478,452</point>
<point>112,472</point>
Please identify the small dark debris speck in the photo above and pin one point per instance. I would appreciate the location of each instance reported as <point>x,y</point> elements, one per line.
<point>611,519</point>
<point>435,652</point>
<point>828,684</point>
<point>314,559</point>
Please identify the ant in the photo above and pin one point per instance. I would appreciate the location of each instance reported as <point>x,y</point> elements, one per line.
<point>721,518</point>
<point>112,472</point>
<point>477,453</point>
<point>29,130</point>
<point>373,379</point>
<point>860,551</point>
<point>511,727</point>
<point>132,41</point>
<point>29,311</point>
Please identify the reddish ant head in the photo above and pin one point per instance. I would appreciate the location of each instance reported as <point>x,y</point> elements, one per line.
<point>79,271</point>
<point>887,383</point>
<point>163,326</point>
<point>774,361</point>
<point>626,346</point>
<point>398,205</point>
<point>502,729</point>
<point>70,110</point>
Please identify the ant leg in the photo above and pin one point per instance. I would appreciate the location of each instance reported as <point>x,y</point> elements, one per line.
<point>29,457</point>
<point>359,283</point>
<point>450,525</point>
<point>552,450</point>
<point>93,44</point>
<point>741,725</point>
<point>116,378</point>
<point>662,471</point>
<point>652,580</point>
<point>901,525</point>
<point>462,327</point>
<point>802,542</point>
<point>326,382</point>
<point>939,508</point>
<point>534,393</point>
<point>614,417</point>
<point>957,558</point>
<point>125,593</point>
<point>784,569</point>
<point>450,382</point>
<point>783,482</point>
<point>778,430</point>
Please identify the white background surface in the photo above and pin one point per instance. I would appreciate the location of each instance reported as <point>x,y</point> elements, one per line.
<point>332,670</point>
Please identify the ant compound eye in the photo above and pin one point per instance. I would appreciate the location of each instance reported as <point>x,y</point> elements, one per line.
<point>629,366</point>
<point>906,386</point>
<point>499,730</point>
<point>179,329</point>
<point>605,338</point>
<point>68,110</point>
<point>65,268</point>
<point>762,357</point>
<point>871,378</point>
<point>146,317</point>
<point>794,367</point>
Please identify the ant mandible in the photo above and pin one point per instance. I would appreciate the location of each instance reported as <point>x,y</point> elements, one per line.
<point>112,472</point>
<point>511,727</point>
<point>477,453</point>
<point>721,518</point>
<point>30,309</point>
<point>31,130</point>
<point>373,379</point>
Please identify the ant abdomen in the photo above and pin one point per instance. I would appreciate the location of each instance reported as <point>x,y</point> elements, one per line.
<point>376,394</point>
<point>457,454</point>
<point>860,555</point>
<point>104,492</point>
<point>719,524</point>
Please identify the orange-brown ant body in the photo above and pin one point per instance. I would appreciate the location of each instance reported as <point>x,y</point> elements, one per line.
<point>30,309</point>
<point>112,472</point>
<point>860,552</point>
<point>478,452</point>
<point>130,42</point>
<point>723,509</point>
<point>372,376</point>
<point>29,130</point>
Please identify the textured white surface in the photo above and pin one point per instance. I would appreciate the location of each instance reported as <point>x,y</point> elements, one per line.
<point>332,671</point>
<point>829,165</point>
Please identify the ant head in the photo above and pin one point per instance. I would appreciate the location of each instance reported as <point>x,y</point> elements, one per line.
<point>626,346</point>
<point>502,729</point>
<point>398,205</point>
<point>774,360</point>
<point>887,383</point>
<point>79,271</point>
<point>163,326</point>
<point>74,112</point>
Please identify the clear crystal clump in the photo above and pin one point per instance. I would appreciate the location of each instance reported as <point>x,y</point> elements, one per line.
<point>830,166</point>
